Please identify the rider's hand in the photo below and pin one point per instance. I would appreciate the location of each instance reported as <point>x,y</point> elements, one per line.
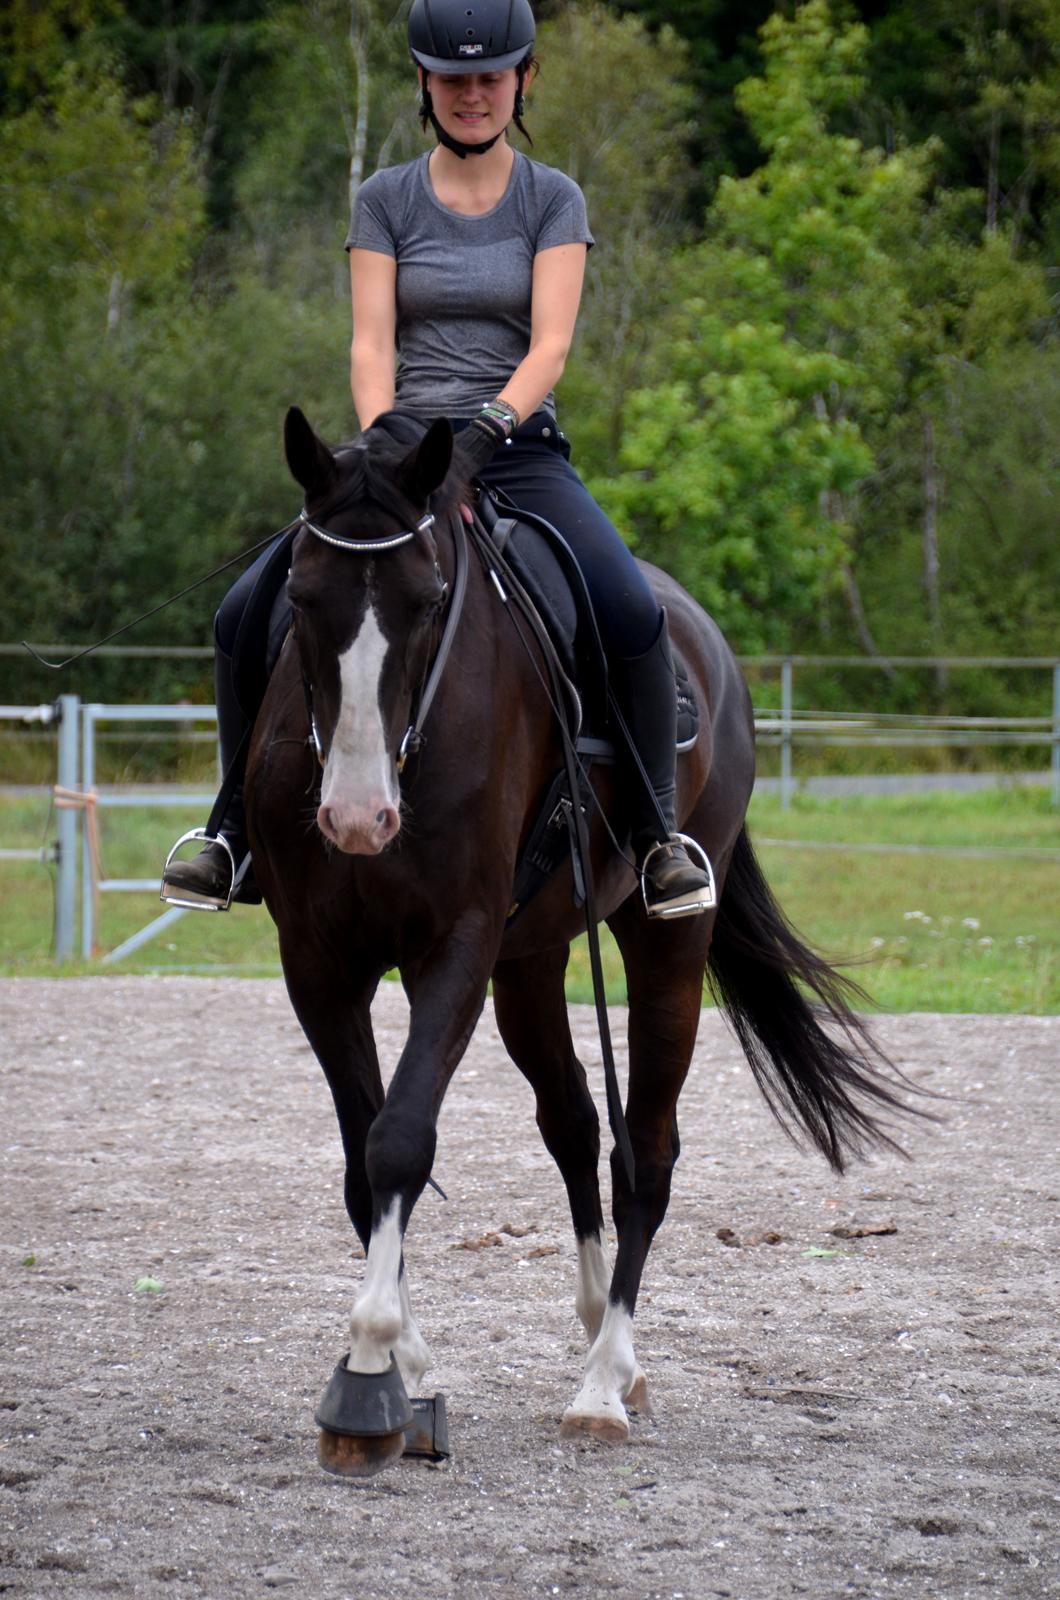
<point>484,434</point>
<point>474,445</point>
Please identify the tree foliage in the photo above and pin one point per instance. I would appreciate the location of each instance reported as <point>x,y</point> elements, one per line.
<point>816,371</point>
<point>789,337</point>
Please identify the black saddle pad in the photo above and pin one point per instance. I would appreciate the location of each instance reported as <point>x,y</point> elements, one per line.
<point>547,568</point>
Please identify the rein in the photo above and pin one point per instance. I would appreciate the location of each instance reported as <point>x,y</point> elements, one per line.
<point>510,588</point>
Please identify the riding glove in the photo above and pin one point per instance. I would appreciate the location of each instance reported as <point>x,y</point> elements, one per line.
<point>476,443</point>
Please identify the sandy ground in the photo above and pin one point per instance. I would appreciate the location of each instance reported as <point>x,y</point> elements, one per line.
<point>871,1416</point>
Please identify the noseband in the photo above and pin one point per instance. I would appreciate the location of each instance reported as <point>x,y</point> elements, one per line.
<point>412,739</point>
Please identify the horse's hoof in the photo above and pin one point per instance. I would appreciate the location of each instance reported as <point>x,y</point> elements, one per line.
<point>611,1430</point>
<point>637,1399</point>
<point>364,1404</point>
<point>348,1456</point>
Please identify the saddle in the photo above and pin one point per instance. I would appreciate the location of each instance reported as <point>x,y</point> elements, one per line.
<point>548,569</point>
<point>548,572</point>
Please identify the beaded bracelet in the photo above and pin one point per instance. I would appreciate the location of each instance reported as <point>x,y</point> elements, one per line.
<point>500,412</point>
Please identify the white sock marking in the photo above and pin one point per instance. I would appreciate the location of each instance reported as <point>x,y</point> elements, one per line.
<point>609,1372</point>
<point>375,1326</point>
<point>413,1357</point>
<point>594,1281</point>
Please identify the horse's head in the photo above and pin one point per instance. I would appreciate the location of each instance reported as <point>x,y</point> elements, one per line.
<point>365,603</point>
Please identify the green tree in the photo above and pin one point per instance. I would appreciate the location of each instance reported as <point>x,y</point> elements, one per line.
<point>984,80</point>
<point>612,108</point>
<point>786,343</point>
<point>143,408</point>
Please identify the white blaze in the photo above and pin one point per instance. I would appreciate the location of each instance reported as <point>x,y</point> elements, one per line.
<point>358,775</point>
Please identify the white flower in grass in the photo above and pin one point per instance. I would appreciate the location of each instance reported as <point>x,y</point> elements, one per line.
<point>970,922</point>
<point>986,941</point>
<point>915,916</point>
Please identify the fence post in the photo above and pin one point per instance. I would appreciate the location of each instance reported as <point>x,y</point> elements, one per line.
<point>88,866</point>
<point>66,887</point>
<point>1056,736</point>
<point>785,733</point>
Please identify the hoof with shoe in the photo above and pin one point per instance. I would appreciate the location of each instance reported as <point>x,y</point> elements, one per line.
<point>610,1427</point>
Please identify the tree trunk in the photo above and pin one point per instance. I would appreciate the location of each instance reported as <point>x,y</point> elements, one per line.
<point>993,171</point>
<point>359,139</point>
<point>852,596</point>
<point>932,487</point>
<point>114,305</point>
<point>832,507</point>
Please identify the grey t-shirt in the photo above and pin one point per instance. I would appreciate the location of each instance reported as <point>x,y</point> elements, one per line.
<point>463,283</point>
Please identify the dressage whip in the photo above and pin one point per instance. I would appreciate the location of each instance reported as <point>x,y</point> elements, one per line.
<point>55,666</point>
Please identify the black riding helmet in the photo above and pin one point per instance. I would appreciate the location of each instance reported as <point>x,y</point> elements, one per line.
<point>465,36</point>
<point>458,36</point>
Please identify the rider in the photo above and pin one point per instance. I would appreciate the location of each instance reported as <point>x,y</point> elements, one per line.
<point>466,264</point>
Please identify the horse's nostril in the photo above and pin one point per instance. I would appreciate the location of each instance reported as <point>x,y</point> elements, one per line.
<point>382,816</point>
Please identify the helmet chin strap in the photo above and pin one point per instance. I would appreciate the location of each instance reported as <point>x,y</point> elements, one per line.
<point>457,146</point>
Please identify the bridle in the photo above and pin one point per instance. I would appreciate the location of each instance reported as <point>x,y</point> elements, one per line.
<point>412,739</point>
<point>366,546</point>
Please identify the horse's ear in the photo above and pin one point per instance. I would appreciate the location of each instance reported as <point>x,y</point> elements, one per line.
<point>308,457</point>
<point>425,468</point>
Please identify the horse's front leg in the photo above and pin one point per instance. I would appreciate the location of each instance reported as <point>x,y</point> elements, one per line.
<point>333,1004</point>
<point>446,994</point>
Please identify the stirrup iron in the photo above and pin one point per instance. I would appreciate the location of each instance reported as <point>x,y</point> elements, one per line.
<point>174,897</point>
<point>704,902</point>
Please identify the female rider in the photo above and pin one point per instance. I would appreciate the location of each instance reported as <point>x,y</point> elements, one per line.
<point>466,264</point>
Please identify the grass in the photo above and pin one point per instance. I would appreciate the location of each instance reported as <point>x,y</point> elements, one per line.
<point>928,932</point>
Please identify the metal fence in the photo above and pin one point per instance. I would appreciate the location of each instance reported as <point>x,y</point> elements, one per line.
<point>77,799</point>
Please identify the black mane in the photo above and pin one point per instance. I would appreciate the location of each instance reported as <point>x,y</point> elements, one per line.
<point>368,464</point>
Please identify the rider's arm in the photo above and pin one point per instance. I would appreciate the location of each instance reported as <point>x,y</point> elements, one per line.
<point>373,288</point>
<point>555,296</point>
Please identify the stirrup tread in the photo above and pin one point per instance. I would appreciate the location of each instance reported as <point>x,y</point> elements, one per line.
<point>691,902</point>
<point>191,899</point>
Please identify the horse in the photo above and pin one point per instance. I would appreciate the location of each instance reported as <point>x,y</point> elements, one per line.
<point>412,869</point>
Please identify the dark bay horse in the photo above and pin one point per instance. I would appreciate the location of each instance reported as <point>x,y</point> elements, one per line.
<point>376,871</point>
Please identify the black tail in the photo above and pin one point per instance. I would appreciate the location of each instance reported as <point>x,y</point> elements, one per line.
<point>830,1088</point>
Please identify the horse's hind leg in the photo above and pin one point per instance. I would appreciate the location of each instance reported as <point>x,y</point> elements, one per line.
<point>664,970</point>
<point>531,1012</point>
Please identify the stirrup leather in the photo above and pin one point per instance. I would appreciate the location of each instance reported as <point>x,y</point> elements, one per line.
<point>173,896</point>
<point>705,901</point>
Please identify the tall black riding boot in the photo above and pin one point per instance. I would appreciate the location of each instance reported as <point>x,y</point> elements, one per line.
<point>644,686</point>
<point>220,873</point>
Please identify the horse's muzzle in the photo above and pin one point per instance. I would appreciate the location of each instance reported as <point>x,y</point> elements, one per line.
<point>360,832</point>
